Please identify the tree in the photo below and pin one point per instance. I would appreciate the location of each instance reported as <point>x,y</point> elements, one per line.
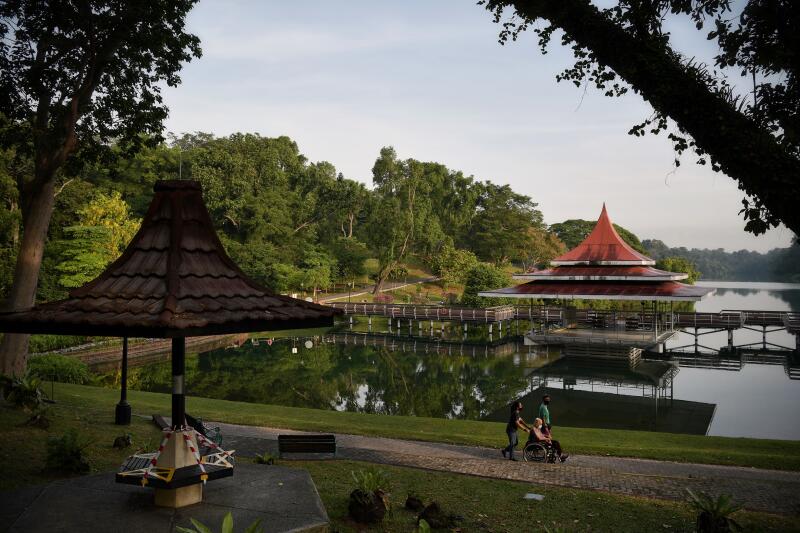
<point>484,277</point>
<point>755,141</point>
<point>679,264</point>
<point>572,232</point>
<point>104,230</point>
<point>543,247</point>
<point>452,265</point>
<point>350,255</point>
<point>401,216</point>
<point>500,229</point>
<point>73,76</point>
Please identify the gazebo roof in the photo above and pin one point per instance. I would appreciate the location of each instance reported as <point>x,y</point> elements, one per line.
<point>173,280</point>
<point>603,246</point>
<point>668,291</point>
<point>602,273</point>
<point>602,267</point>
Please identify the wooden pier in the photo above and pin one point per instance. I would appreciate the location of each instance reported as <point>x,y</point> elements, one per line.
<point>568,325</point>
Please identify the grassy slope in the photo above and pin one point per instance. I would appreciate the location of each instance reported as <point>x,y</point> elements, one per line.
<point>690,448</point>
<point>496,505</point>
<point>485,504</point>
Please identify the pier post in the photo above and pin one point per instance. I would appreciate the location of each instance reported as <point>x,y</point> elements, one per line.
<point>696,341</point>
<point>763,337</point>
<point>730,339</point>
<point>490,328</point>
<point>797,344</point>
<point>465,327</point>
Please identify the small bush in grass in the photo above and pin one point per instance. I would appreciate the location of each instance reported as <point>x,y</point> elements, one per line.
<point>714,514</point>
<point>383,298</point>
<point>265,459</point>
<point>227,526</point>
<point>369,501</point>
<point>22,392</point>
<point>48,343</point>
<point>54,367</point>
<point>65,454</point>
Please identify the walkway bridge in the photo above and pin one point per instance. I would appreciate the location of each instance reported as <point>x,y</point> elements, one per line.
<point>555,324</point>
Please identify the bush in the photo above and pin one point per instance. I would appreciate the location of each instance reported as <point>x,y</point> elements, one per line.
<point>383,298</point>
<point>49,343</point>
<point>22,392</point>
<point>65,454</point>
<point>54,367</point>
<point>714,515</point>
<point>369,501</point>
<point>227,526</point>
<point>484,277</point>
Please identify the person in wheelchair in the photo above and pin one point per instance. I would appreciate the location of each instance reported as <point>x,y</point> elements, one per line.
<point>541,434</point>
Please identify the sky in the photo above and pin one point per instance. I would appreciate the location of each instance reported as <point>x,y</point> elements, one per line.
<point>429,78</point>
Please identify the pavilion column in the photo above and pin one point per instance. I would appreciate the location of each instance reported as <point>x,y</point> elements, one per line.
<point>122,413</point>
<point>178,368</point>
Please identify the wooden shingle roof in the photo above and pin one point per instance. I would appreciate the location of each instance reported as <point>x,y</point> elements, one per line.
<point>173,280</point>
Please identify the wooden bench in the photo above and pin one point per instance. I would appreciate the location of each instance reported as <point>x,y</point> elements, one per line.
<point>306,444</point>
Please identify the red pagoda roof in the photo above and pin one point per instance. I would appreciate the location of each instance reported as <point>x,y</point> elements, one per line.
<point>602,267</point>
<point>603,246</point>
<point>602,273</point>
<point>597,290</point>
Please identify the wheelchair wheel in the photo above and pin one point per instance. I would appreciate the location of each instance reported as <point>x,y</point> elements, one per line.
<point>534,453</point>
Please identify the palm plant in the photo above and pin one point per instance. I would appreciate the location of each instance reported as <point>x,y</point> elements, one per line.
<point>714,514</point>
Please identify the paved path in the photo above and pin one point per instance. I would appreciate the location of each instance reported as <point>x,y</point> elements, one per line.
<point>758,489</point>
<point>387,286</point>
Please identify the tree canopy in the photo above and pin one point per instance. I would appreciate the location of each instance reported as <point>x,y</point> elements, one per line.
<point>76,77</point>
<point>705,109</point>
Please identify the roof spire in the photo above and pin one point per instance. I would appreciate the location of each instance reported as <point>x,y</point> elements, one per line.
<point>603,246</point>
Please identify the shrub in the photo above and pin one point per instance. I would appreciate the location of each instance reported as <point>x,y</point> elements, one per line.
<point>22,392</point>
<point>59,368</point>
<point>383,298</point>
<point>49,343</point>
<point>65,454</point>
<point>714,515</point>
<point>368,502</point>
<point>227,526</point>
<point>265,459</point>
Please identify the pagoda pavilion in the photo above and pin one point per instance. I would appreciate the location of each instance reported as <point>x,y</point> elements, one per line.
<point>605,267</point>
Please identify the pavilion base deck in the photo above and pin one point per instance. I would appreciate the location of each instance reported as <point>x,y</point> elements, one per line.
<point>577,336</point>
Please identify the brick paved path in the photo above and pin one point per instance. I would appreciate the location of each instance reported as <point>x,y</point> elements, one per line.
<point>764,490</point>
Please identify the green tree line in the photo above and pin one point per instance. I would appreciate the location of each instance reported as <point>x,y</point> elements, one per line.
<point>290,223</point>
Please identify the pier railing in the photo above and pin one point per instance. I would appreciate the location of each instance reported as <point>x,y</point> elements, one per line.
<point>429,312</point>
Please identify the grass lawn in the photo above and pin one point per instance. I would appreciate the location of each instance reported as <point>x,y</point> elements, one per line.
<point>498,506</point>
<point>760,453</point>
<point>484,504</point>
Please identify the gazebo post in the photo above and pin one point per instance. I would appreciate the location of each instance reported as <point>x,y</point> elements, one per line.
<point>178,368</point>
<point>122,413</point>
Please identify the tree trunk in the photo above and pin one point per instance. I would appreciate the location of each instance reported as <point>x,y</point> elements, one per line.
<point>351,217</point>
<point>36,220</point>
<point>743,150</point>
<point>380,279</point>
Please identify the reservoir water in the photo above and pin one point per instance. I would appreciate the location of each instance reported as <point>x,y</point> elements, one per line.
<point>435,374</point>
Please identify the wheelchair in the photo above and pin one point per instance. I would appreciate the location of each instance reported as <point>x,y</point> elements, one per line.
<point>538,452</point>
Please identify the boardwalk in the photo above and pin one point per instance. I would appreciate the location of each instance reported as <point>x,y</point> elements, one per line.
<point>764,490</point>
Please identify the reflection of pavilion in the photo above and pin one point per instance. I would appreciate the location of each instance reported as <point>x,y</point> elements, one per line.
<point>591,392</point>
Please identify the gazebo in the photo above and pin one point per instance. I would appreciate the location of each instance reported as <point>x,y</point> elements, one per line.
<point>605,267</point>
<point>173,281</point>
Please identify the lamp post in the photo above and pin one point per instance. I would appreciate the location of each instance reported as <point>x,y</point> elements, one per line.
<point>122,412</point>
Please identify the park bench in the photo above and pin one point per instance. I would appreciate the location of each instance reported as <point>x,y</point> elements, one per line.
<point>306,444</point>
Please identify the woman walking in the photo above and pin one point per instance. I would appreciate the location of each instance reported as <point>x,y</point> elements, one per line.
<point>515,422</point>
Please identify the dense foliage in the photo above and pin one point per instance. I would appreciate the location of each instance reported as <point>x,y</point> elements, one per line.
<point>741,114</point>
<point>291,224</point>
<point>780,264</point>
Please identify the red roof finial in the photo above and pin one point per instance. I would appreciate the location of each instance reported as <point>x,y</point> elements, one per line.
<point>603,246</point>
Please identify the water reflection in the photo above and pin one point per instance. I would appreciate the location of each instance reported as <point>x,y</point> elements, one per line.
<point>428,370</point>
